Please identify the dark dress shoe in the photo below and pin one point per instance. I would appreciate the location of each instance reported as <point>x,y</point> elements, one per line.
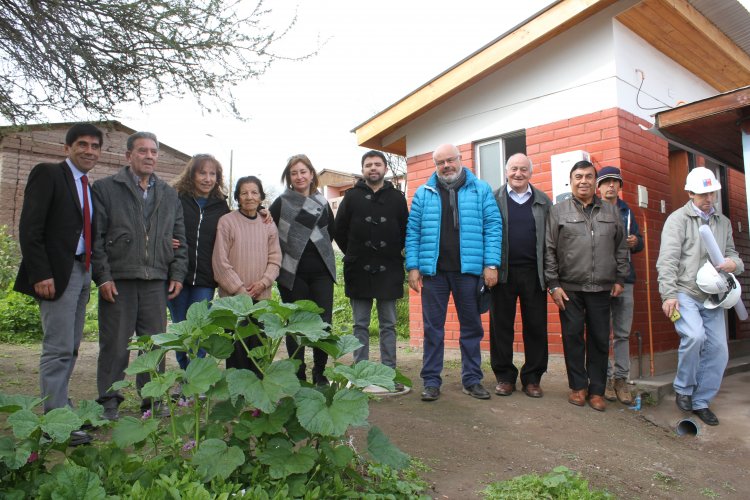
<point>597,402</point>
<point>533,390</point>
<point>578,397</point>
<point>77,438</point>
<point>708,417</point>
<point>684,402</point>
<point>504,388</point>
<point>477,391</point>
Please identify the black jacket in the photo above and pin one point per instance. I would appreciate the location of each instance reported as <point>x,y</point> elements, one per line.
<point>371,231</point>
<point>49,229</point>
<point>200,233</point>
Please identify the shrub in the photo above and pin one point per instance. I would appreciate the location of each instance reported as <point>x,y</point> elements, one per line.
<point>267,436</point>
<point>559,484</point>
<point>19,318</point>
<point>10,257</point>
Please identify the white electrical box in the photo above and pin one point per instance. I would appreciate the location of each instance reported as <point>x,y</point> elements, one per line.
<point>642,197</point>
<point>561,165</point>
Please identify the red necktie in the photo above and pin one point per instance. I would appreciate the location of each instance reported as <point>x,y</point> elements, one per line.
<point>86,221</point>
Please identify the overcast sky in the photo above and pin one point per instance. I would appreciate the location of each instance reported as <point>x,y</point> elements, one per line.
<point>374,54</point>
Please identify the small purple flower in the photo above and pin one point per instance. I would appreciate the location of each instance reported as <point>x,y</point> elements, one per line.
<point>189,445</point>
<point>146,415</point>
<point>182,402</point>
<point>33,457</point>
<point>256,412</point>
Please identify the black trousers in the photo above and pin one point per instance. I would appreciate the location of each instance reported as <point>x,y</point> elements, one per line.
<point>240,359</point>
<point>523,284</point>
<point>586,355</point>
<point>317,287</point>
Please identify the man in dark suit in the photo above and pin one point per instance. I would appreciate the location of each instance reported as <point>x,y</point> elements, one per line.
<point>55,237</point>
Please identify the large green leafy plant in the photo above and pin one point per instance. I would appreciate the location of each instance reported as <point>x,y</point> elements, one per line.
<point>233,433</point>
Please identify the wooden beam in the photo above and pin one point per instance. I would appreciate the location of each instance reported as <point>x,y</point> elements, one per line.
<point>719,104</point>
<point>494,56</point>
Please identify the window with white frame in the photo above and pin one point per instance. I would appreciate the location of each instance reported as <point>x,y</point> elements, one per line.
<point>491,155</point>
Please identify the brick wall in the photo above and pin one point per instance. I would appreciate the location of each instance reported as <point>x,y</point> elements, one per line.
<point>611,137</point>
<point>21,151</point>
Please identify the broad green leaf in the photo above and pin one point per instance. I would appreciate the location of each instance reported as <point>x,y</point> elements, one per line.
<point>145,363</point>
<point>340,456</point>
<point>198,314</point>
<point>349,407</point>
<point>306,305</point>
<point>215,459</point>
<point>279,381</point>
<point>329,346</point>
<point>226,411</point>
<point>91,412</point>
<point>59,423</point>
<point>273,326</point>
<point>200,375</point>
<point>219,391</point>
<point>181,329</point>
<point>13,402</point>
<point>219,346</point>
<point>269,423</point>
<point>158,386</point>
<point>72,481</point>
<point>284,461</point>
<point>184,424</point>
<point>246,329</point>
<point>24,423</point>
<point>308,324</point>
<point>169,339</point>
<point>239,305</point>
<point>383,451</point>
<point>122,384</point>
<point>14,458</point>
<point>347,344</point>
<point>130,430</point>
<point>367,373</point>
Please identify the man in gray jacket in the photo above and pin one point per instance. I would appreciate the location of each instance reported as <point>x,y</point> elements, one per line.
<point>703,352</point>
<point>524,212</point>
<point>586,264</point>
<point>134,263</point>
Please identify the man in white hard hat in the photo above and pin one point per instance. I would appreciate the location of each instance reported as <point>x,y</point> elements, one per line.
<point>703,352</point>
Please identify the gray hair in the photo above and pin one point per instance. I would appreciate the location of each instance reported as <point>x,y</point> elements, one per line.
<point>141,135</point>
<point>531,165</point>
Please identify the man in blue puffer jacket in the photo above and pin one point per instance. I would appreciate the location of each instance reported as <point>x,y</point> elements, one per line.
<point>452,242</point>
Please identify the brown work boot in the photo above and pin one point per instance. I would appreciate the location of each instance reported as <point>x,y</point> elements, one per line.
<point>578,397</point>
<point>609,391</point>
<point>597,402</point>
<point>623,392</point>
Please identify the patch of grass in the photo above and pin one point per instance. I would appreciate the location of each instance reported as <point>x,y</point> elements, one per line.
<point>560,483</point>
<point>708,492</point>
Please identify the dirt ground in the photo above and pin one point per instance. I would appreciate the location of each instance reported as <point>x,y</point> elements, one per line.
<point>467,443</point>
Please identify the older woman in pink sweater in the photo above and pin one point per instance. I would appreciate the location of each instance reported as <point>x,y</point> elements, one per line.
<point>247,256</point>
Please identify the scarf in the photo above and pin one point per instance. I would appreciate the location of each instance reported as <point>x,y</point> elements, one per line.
<point>451,187</point>
<point>299,223</point>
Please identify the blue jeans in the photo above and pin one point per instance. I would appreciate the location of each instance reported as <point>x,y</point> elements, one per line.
<point>178,309</point>
<point>703,352</point>
<point>435,293</point>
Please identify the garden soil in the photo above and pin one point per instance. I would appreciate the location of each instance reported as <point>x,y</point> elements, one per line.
<point>466,444</point>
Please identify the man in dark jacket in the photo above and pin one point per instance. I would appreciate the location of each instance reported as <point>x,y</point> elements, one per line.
<point>371,230</point>
<point>585,265</point>
<point>609,183</point>
<point>55,237</point>
<point>135,264</point>
<point>524,211</point>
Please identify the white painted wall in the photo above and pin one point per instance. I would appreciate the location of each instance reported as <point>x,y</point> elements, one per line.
<point>586,69</point>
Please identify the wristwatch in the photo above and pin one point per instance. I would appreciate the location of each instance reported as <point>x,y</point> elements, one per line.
<point>494,268</point>
<point>552,290</point>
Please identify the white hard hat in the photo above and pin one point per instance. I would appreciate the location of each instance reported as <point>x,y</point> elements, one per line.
<point>701,180</point>
<point>723,288</point>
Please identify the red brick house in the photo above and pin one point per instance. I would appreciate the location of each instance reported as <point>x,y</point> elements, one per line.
<point>583,79</point>
<point>23,147</point>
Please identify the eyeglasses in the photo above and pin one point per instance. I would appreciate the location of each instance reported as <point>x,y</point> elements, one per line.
<point>450,161</point>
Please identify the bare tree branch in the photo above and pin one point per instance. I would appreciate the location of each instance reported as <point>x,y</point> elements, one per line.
<point>68,55</point>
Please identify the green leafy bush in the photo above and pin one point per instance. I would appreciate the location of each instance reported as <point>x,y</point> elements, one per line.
<point>232,433</point>
<point>559,484</point>
<point>19,318</point>
<point>10,257</point>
